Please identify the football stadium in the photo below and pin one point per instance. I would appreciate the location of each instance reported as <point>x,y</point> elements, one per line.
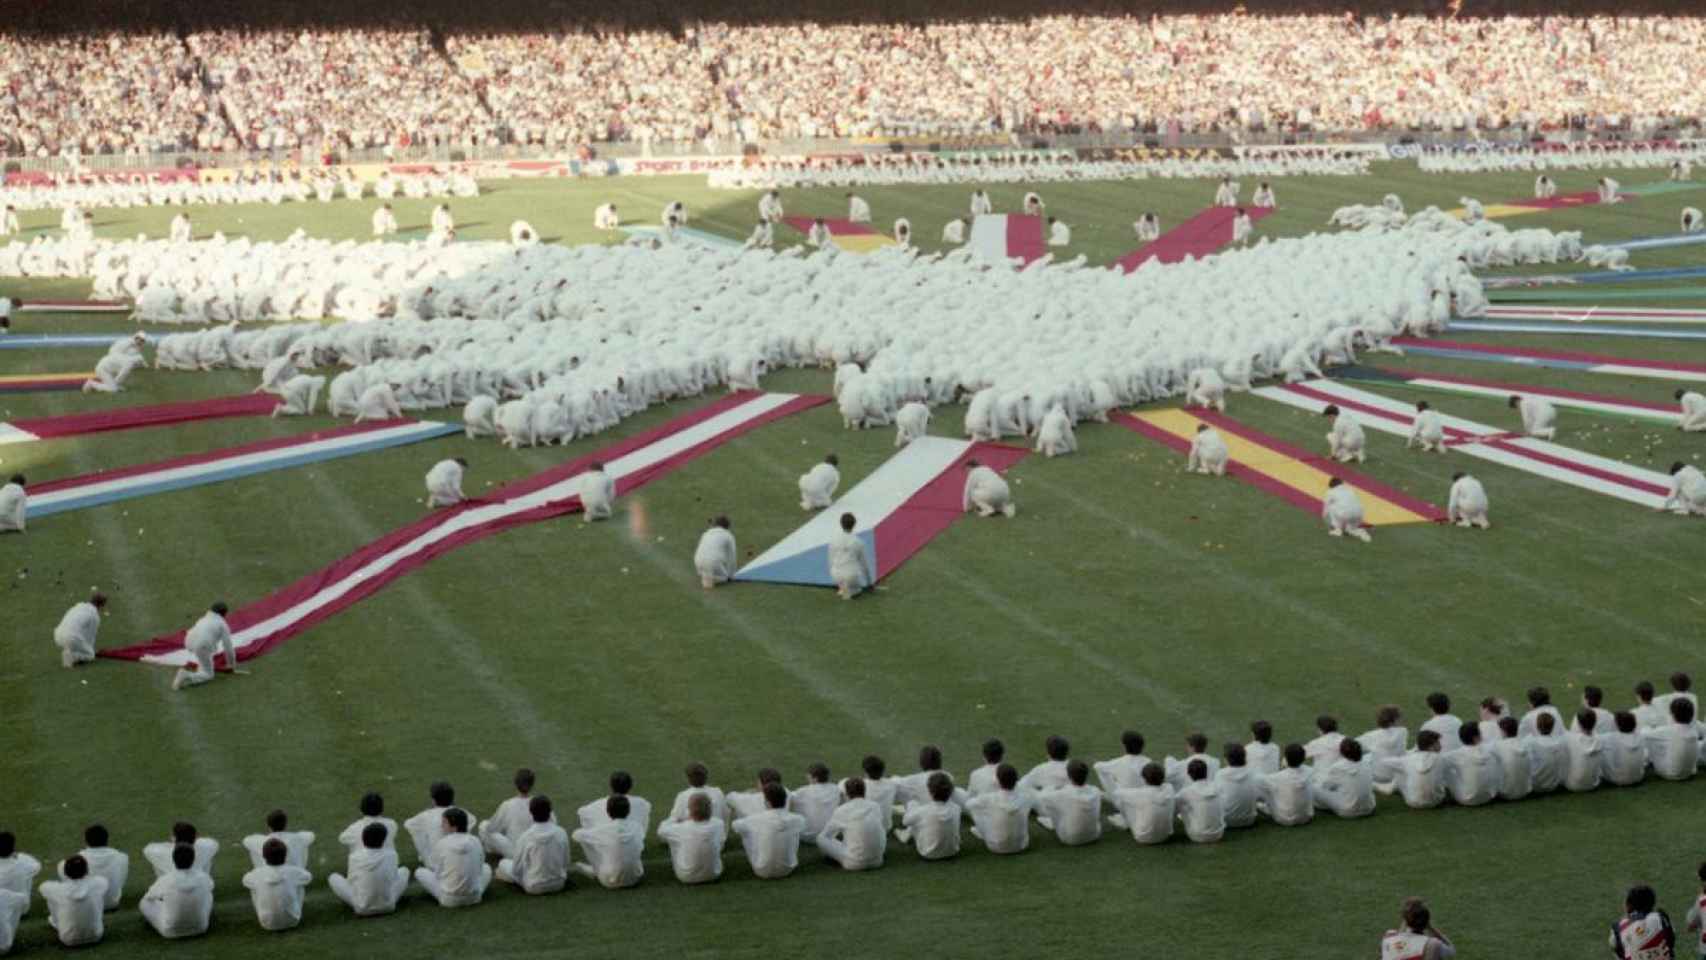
<point>736,480</point>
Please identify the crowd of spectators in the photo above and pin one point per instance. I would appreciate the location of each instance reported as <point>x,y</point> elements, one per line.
<point>721,83</point>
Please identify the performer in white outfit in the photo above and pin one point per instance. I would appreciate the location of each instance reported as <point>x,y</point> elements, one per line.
<point>715,557</point>
<point>856,835</point>
<point>14,504</point>
<point>1539,417</point>
<point>772,838</point>
<point>208,636</point>
<point>74,904</point>
<point>696,844</point>
<point>1208,452</point>
<point>598,493</point>
<point>75,634</point>
<point>459,874</point>
<point>538,861</point>
<point>1693,411</point>
<point>180,903</point>
<point>987,491</point>
<point>613,847</point>
<point>1466,505</point>
<point>1687,495</point>
<point>276,888</point>
<point>849,564</point>
<point>858,211</point>
<point>1427,430</point>
<point>1342,509</point>
<point>444,482</point>
<point>818,485</point>
<point>1346,440</point>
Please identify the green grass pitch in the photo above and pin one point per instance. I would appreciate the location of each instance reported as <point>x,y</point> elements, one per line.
<point>1124,595</point>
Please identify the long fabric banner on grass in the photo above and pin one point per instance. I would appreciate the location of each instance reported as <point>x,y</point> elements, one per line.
<point>130,418</point>
<point>1596,296</point>
<point>903,505</point>
<point>1197,237</point>
<point>1544,458</point>
<point>37,383</point>
<point>1657,243</point>
<point>262,626</point>
<point>1515,208</point>
<point>1594,277</point>
<point>1593,402</point>
<point>1295,476</point>
<point>57,341</point>
<point>111,486</point>
<point>1556,359</point>
<point>845,234</point>
<point>1569,328</point>
<point>73,306</point>
<point>1598,314</point>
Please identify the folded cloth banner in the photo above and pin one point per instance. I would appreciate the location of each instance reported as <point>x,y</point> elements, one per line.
<point>1001,237</point>
<point>1578,329</point>
<point>262,626</point>
<point>845,234</point>
<point>111,486</point>
<point>73,306</point>
<point>1596,403</point>
<point>1556,359</point>
<point>44,341</point>
<point>1642,294</point>
<point>36,383</point>
<point>904,504</point>
<point>1552,311</point>
<point>1295,476</point>
<point>1544,458</point>
<point>1197,237</point>
<point>1655,243</point>
<point>128,418</point>
<point>1513,208</point>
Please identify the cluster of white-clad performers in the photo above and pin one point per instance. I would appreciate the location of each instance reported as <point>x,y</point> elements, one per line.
<point>543,344</point>
<point>91,192</point>
<point>1498,755</point>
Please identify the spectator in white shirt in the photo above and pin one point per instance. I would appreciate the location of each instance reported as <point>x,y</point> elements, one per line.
<point>1002,819</point>
<point>1443,722</point>
<point>162,855</point>
<point>540,861</point>
<point>74,904</point>
<point>1346,786</point>
<point>1286,796</point>
<point>815,802</point>
<point>879,789</point>
<point>772,838</point>
<point>1262,753</point>
<point>982,780</point>
<point>427,827</point>
<point>1675,747</point>
<point>745,803</point>
<point>1199,806</point>
<point>1516,760</point>
<point>1550,755</point>
<point>1236,783</point>
<point>276,887</point>
<point>376,881</point>
<point>597,812</point>
<point>696,844</point>
<point>1586,766</point>
<point>1073,812</point>
<point>1051,773</point>
<point>1418,776</point>
<point>1325,748</point>
<point>1149,810</point>
<point>613,847</point>
<point>180,903</point>
<point>296,842</point>
<point>372,810</point>
<point>933,824</point>
<point>857,834</point>
<point>1647,712</point>
<point>1196,746</point>
<point>698,781</point>
<point>1623,755</point>
<point>512,818</point>
<point>459,875</point>
<point>17,870</point>
<point>1386,741</point>
<point>1124,772</point>
<point>1472,772</point>
<point>12,906</point>
<point>1681,687</point>
<point>1592,697</point>
<point>1539,702</point>
<point>103,861</point>
<point>1493,709</point>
